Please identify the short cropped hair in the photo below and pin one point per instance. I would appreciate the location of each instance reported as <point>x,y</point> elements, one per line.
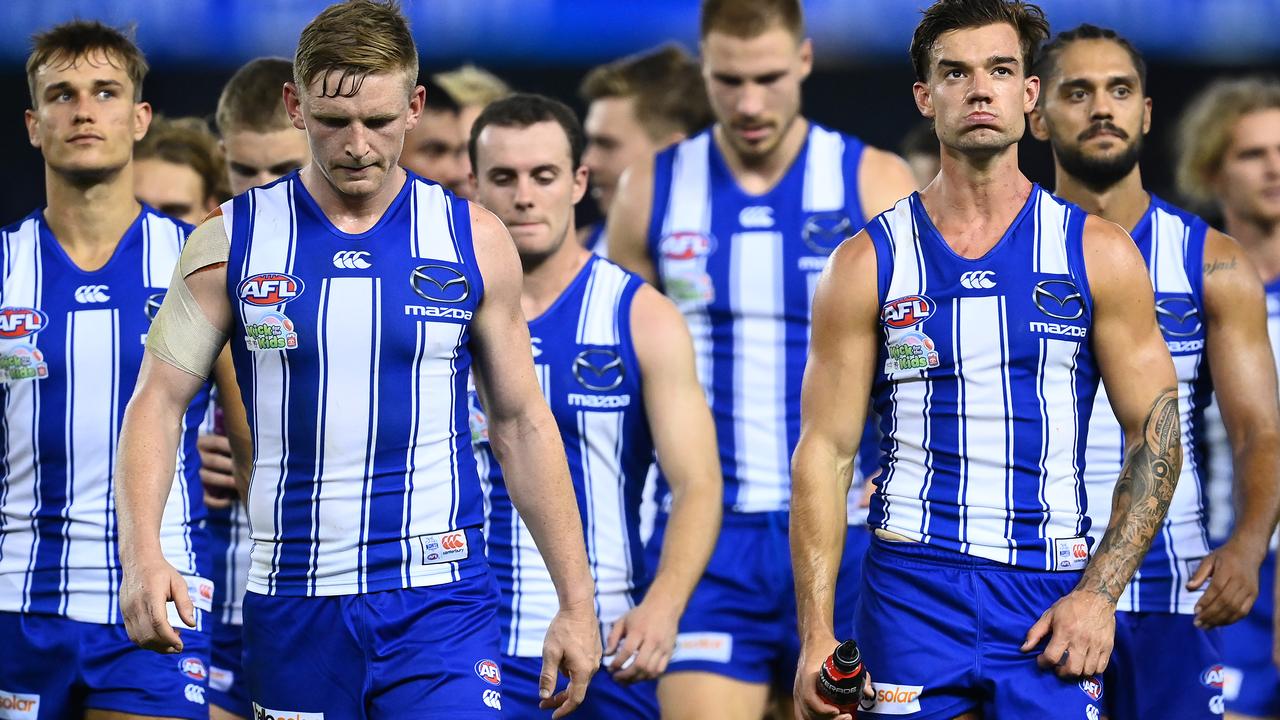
<point>438,99</point>
<point>66,43</point>
<point>354,39</point>
<point>1046,64</point>
<point>1205,129</point>
<point>252,99</point>
<point>750,18</point>
<point>943,16</point>
<point>524,109</point>
<point>187,141</point>
<point>667,85</point>
<point>470,85</point>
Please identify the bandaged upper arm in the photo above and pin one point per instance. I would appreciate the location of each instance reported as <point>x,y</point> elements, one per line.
<point>181,334</point>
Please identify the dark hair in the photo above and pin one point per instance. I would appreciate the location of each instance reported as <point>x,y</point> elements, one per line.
<point>946,15</point>
<point>438,99</point>
<point>524,109</point>
<point>749,18</point>
<point>70,41</point>
<point>1047,61</point>
<point>667,85</point>
<point>922,139</point>
<point>252,99</point>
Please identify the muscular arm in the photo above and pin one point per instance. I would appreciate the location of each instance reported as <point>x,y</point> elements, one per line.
<point>235,422</point>
<point>1244,379</point>
<point>883,180</point>
<point>1142,386</point>
<point>524,438</point>
<point>629,218</point>
<point>149,441</point>
<point>685,440</point>
<point>837,385</point>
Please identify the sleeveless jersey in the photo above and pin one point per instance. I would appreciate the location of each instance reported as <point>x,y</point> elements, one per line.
<point>1172,243</point>
<point>597,240</point>
<point>229,541</point>
<point>984,385</point>
<point>742,268</point>
<point>71,345</point>
<point>587,367</point>
<point>352,358</point>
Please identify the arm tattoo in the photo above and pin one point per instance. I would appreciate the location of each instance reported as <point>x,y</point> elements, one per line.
<point>1216,265</point>
<point>1141,499</point>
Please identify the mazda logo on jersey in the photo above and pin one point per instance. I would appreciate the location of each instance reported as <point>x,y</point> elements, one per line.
<point>598,369</point>
<point>267,289</point>
<point>825,231</point>
<point>19,322</point>
<point>1058,299</point>
<point>1178,316</point>
<point>152,305</point>
<point>440,283</point>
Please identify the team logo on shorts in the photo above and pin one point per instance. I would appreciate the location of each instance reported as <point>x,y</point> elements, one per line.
<point>1092,686</point>
<point>24,362</point>
<point>273,331</point>
<point>492,698</point>
<point>488,672</point>
<point>19,322</point>
<point>824,232</point>
<point>267,289</point>
<point>152,306</point>
<point>193,667</point>
<point>1213,677</point>
<point>906,312</point>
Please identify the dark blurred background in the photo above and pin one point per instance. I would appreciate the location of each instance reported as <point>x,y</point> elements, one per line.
<point>862,83</point>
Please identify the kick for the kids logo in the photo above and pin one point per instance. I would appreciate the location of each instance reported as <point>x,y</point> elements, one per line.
<point>273,331</point>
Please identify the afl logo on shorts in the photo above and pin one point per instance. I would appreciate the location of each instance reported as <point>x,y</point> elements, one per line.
<point>267,289</point>
<point>686,246</point>
<point>1092,686</point>
<point>488,672</point>
<point>193,667</point>
<point>907,311</point>
<point>1213,677</point>
<point>19,322</point>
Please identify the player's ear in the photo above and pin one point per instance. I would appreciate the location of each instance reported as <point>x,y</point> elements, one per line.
<point>1039,128</point>
<point>33,127</point>
<point>924,100</point>
<point>581,176</point>
<point>806,58</point>
<point>141,120</point>
<point>417,100</point>
<point>1032,86</point>
<point>1146,115</point>
<point>293,105</point>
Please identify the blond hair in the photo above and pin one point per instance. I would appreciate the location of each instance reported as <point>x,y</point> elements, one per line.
<point>187,141</point>
<point>354,39</point>
<point>747,19</point>
<point>252,99</point>
<point>667,85</point>
<point>71,41</point>
<point>471,85</point>
<point>1205,130</point>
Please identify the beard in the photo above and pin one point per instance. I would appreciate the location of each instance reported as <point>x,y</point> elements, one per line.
<point>1099,173</point>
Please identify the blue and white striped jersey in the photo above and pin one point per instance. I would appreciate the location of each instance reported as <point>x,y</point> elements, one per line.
<point>1172,243</point>
<point>352,357</point>
<point>229,542</point>
<point>587,367</point>
<point>743,268</point>
<point>71,345</point>
<point>985,382</point>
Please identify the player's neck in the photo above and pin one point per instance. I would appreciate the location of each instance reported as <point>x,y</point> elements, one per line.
<point>546,280</point>
<point>1261,240</point>
<point>352,214</point>
<point>759,175</point>
<point>88,219</point>
<point>1124,203</point>
<point>973,201</point>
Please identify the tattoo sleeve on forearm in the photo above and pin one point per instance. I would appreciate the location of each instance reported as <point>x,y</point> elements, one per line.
<point>1141,499</point>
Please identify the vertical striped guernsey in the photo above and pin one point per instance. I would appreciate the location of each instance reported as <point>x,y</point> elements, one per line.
<point>1172,244</point>
<point>587,367</point>
<point>743,268</point>
<point>352,356</point>
<point>71,345</point>
<point>984,385</point>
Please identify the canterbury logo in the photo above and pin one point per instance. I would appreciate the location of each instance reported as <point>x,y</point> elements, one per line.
<point>351,260</point>
<point>92,294</point>
<point>756,216</point>
<point>978,280</point>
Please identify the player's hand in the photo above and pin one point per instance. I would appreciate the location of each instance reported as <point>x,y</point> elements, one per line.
<point>809,705</point>
<point>572,647</point>
<point>145,589</point>
<point>1081,628</point>
<point>1234,569</point>
<point>217,472</point>
<point>645,637</point>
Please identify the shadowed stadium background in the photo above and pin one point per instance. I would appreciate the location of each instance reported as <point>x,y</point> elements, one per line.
<point>862,82</point>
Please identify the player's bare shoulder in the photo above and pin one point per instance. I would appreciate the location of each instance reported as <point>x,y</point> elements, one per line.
<point>629,217</point>
<point>884,178</point>
<point>1110,255</point>
<point>1230,278</point>
<point>655,321</point>
<point>495,251</point>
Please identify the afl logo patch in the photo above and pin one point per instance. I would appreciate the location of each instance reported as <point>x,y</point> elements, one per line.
<point>19,322</point>
<point>267,289</point>
<point>488,672</point>
<point>686,246</point>
<point>906,312</point>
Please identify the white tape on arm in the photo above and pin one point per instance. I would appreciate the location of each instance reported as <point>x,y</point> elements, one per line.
<point>181,335</point>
